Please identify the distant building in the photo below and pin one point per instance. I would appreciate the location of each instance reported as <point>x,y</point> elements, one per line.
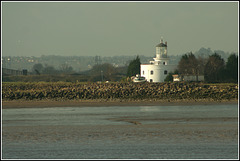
<point>6,71</point>
<point>157,70</point>
<point>177,78</point>
<point>25,72</point>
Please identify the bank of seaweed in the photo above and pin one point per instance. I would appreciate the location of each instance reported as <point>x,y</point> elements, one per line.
<point>132,91</point>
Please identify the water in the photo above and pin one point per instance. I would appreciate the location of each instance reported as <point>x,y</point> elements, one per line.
<point>121,132</point>
<point>122,151</point>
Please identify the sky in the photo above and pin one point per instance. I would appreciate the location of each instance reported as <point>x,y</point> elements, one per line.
<point>117,28</point>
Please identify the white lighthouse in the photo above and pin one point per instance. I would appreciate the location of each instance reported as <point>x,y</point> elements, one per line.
<point>157,70</point>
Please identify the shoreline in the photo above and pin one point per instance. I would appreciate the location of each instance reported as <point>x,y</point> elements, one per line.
<point>106,103</point>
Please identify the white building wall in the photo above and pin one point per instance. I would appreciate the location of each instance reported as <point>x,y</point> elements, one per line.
<point>156,73</point>
<point>201,78</point>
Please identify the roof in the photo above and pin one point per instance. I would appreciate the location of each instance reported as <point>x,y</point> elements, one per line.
<point>161,45</point>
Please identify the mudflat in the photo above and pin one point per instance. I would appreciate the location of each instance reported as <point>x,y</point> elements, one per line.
<point>101,132</point>
<point>105,102</point>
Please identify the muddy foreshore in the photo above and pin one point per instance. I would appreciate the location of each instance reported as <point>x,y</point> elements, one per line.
<point>105,103</point>
<point>196,132</point>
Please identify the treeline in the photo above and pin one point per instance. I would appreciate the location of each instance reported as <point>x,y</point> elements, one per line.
<point>214,68</point>
<point>99,72</point>
<point>106,72</point>
<point>48,69</point>
<point>48,73</point>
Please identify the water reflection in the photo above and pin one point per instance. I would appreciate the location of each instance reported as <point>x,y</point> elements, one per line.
<point>106,115</point>
<point>149,109</point>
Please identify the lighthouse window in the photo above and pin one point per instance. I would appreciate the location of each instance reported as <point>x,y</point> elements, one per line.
<point>143,72</point>
<point>165,72</point>
<point>151,72</point>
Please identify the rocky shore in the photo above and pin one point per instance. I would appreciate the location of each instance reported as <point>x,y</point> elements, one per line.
<point>119,91</point>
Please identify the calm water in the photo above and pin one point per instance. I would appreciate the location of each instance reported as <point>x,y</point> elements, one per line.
<point>141,132</point>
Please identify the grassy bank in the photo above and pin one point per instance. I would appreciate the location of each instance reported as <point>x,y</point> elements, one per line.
<point>118,91</point>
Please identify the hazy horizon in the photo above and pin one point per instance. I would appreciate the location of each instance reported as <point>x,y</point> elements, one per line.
<point>117,28</point>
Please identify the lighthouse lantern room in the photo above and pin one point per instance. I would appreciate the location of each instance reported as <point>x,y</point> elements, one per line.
<point>157,70</point>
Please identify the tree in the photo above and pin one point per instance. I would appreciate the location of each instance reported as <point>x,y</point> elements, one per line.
<point>214,69</point>
<point>65,68</point>
<point>201,65</point>
<point>188,64</point>
<point>50,70</point>
<point>38,68</point>
<point>134,67</point>
<point>232,68</point>
<point>169,77</point>
<point>103,72</point>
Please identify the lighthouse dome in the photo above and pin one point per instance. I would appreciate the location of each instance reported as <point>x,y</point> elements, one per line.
<point>161,45</point>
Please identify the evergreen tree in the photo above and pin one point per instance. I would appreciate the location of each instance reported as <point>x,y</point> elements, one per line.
<point>134,67</point>
<point>232,68</point>
<point>169,77</point>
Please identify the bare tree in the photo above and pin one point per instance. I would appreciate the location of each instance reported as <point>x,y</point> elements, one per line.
<point>214,69</point>
<point>103,71</point>
<point>201,64</point>
<point>188,64</point>
<point>65,68</point>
